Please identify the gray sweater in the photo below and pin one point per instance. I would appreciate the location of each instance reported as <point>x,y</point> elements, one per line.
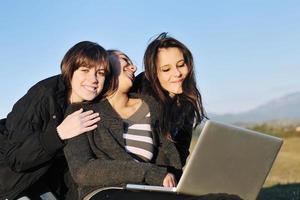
<point>99,159</point>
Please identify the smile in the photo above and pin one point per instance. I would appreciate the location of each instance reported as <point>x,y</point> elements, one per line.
<point>178,81</point>
<point>90,88</point>
<point>130,76</point>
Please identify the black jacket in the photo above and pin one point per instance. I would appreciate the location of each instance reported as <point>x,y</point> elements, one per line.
<point>30,143</point>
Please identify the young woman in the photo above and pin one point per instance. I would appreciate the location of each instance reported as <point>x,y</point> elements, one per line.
<point>126,147</point>
<point>35,131</point>
<point>169,77</point>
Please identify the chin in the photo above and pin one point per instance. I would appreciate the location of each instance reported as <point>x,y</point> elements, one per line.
<point>90,98</point>
<point>177,92</point>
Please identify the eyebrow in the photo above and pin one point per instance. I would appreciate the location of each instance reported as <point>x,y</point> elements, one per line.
<point>169,64</point>
<point>126,60</point>
<point>180,61</point>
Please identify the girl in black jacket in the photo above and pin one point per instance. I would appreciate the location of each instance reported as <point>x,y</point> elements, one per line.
<point>35,131</point>
<point>169,77</point>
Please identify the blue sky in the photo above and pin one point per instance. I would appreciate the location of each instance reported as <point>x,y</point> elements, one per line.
<point>246,52</point>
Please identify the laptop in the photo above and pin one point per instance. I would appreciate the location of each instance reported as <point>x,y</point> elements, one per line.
<point>226,159</point>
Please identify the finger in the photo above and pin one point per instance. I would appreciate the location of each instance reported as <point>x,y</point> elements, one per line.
<point>89,117</point>
<point>77,112</point>
<point>90,128</point>
<point>173,182</point>
<point>170,182</point>
<point>91,122</point>
<point>167,182</point>
<point>86,113</point>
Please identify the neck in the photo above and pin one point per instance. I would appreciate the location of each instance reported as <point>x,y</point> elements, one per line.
<point>124,105</point>
<point>118,100</point>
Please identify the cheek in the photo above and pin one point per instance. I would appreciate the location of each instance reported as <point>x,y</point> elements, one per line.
<point>101,81</point>
<point>74,81</point>
<point>184,71</point>
<point>163,78</point>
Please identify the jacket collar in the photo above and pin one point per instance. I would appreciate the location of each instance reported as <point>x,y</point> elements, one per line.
<point>111,120</point>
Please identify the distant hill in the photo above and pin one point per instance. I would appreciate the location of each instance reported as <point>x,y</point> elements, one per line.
<point>284,108</point>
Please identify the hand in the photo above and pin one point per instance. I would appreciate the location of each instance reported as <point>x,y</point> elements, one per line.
<point>77,123</point>
<point>169,180</point>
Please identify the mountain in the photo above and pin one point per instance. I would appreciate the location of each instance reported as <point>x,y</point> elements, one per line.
<point>283,108</point>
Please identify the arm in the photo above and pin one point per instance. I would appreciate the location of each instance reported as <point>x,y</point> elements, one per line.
<point>105,171</point>
<point>33,137</point>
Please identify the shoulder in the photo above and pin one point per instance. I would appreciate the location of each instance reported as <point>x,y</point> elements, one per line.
<point>50,89</point>
<point>50,85</point>
<point>101,106</point>
<point>150,101</point>
<point>105,110</point>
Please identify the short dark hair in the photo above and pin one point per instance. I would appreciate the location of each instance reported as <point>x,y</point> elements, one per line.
<point>85,53</point>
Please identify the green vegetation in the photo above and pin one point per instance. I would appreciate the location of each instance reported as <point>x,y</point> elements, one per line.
<point>290,130</point>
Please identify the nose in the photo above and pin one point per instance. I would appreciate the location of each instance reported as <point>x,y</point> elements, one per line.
<point>177,72</point>
<point>93,76</point>
<point>132,68</point>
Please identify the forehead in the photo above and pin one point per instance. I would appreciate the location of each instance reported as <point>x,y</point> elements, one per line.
<point>167,56</point>
<point>123,57</point>
<point>96,66</point>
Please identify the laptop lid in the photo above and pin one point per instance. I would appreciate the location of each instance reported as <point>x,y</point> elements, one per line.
<point>229,159</point>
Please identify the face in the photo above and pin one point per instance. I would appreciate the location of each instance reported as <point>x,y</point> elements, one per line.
<point>126,72</point>
<point>171,70</point>
<point>87,83</point>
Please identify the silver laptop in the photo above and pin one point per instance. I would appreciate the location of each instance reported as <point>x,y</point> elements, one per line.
<point>226,159</point>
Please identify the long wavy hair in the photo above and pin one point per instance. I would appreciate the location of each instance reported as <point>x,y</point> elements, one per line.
<point>183,108</point>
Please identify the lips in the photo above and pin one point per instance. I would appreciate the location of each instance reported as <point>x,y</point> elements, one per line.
<point>130,76</point>
<point>90,88</point>
<point>178,81</point>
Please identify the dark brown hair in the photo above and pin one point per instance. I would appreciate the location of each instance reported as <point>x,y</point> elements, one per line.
<point>176,111</point>
<point>114,80</point>
<point>83,54</point>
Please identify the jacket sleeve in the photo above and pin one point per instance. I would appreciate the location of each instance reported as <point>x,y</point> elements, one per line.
<point>87,170</point>
<point>32,136</point>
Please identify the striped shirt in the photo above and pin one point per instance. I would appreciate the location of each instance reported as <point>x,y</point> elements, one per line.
<point>138,135</point>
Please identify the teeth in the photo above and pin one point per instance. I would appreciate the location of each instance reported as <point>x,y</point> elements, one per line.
<point>90,88</point>
<point>130,75</point>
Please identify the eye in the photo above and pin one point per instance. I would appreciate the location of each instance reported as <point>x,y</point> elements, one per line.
<point>101,72</point>
<point>128,62</point>
<point>165,68</point>
<point>181,64</point>
<point>84,69</point>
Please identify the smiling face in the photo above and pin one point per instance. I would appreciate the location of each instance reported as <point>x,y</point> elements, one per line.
<point>87,83</point>
<point>125,69</point>
<point>171,70</point>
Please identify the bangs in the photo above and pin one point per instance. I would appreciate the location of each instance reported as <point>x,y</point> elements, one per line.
<point>92,61</point>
